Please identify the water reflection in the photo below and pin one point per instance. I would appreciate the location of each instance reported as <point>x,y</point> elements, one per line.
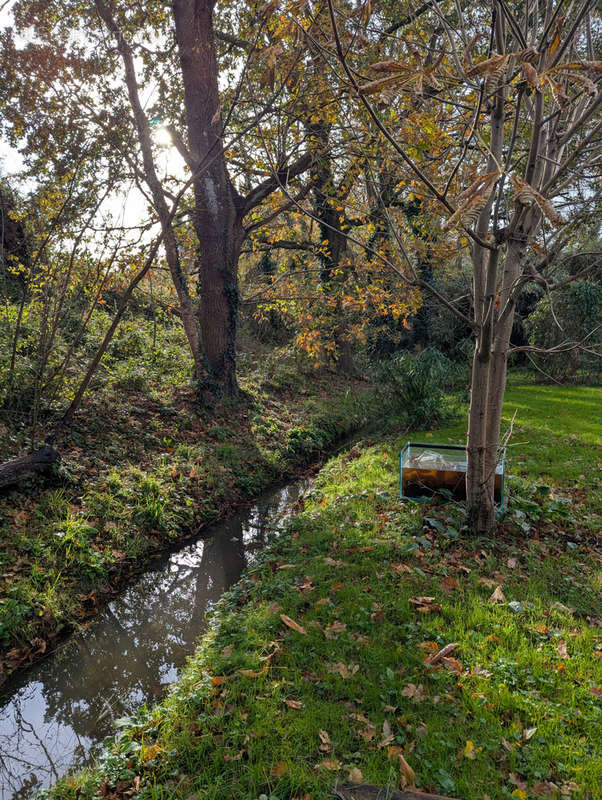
<point>62,708</point>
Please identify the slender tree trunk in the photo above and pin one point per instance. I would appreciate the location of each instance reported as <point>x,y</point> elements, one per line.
<point>150,173</point>
<point>332,237</point>
<point>218,218</point>
<point>483,431</point>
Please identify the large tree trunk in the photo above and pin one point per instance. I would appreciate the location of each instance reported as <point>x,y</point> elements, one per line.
<point>217,219</point>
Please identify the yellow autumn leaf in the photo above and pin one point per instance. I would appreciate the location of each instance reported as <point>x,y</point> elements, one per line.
<point>469,750</point>
<point>148,753</point>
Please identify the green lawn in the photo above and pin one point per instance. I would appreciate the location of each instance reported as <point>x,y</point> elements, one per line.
<point>320,664</point>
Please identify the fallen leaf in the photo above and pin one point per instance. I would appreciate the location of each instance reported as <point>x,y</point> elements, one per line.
<point>368,733</point>
<point>408,776</point>
<point>470,751</point>
<point>330,763</point>
<point>331,562</point>
<point>561,649</point>
<point>498,596</point>
<point>332,631</point>
<point>416,693</point>
<point>227,651</point>
<point>249,673</point>
<point>560,607</point>
<point>528,733</point>
<point>355,775</point>
<point>293,625</point>
<point>425,604</point>
<point>296,704</point>
<point>343,670</point>
<point>517,781</point>
<point>325,744</point>
<point>452,664</point>
<point>544,788</point>
<point>445,651</point>
<point>148,753</point>
<point>279,770</point>
<point>450,584</point>
<point>271,655</point>
<point>596,691</point>
<point>217,680</point>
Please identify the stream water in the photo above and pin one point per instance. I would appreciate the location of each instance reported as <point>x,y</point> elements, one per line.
<point>61,709</point>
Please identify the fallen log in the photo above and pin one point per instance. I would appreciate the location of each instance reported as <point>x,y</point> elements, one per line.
<point>40,461</point>
<point>369,791</point>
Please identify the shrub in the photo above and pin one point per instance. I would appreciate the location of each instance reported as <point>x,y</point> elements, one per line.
<point>577,308</point>
<point>420,384</point>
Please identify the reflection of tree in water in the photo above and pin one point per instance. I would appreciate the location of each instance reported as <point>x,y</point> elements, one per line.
<point>125,657</point>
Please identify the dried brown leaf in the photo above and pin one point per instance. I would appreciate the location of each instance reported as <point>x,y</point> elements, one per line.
<point>355,775</point>
<point>332,764</point>
<point>445,651</point>
<point>497,596</point>
<point>293,625</point>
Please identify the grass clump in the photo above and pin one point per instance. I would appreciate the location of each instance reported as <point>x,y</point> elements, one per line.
<point>374,641</point>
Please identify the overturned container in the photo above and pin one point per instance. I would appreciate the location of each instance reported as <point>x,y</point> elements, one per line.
<point>429,469</point>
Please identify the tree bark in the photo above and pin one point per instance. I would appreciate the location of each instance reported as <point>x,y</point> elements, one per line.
<point>333,248</point>
<point>40,461</point>
<point>150,173</point>
<point>218,207</point>
<point>369,791</point>
<point>483,435</point>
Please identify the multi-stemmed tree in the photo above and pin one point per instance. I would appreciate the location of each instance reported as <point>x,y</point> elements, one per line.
<point>510,99</point>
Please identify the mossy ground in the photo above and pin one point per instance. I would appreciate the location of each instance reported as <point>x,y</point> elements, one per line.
<point>345,686</point>
<point>142,472</point>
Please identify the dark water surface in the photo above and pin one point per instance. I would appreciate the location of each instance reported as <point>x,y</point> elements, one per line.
<point>62,708</point>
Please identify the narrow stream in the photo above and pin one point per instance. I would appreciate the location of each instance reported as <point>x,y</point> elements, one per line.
<point>62,708</point>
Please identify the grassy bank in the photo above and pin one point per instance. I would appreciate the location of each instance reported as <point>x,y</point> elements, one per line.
<point>140,472</point>
<point>375,642</point>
